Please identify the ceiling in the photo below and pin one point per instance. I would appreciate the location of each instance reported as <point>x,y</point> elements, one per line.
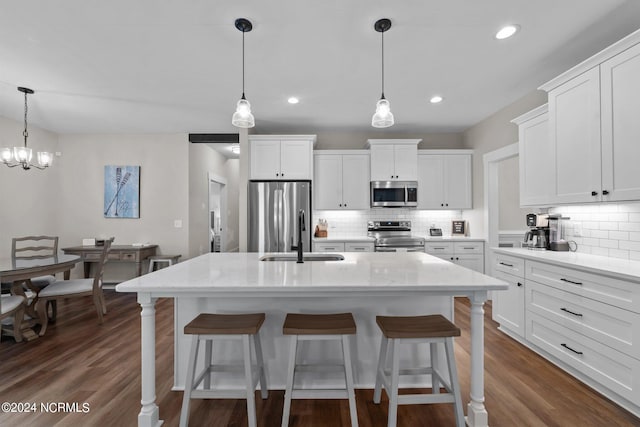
<point>174,66</point>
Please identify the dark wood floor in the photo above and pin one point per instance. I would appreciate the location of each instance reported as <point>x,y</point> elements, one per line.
<point>81,361</point>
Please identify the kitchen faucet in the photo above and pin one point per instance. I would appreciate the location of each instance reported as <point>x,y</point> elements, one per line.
<point>301,228</point>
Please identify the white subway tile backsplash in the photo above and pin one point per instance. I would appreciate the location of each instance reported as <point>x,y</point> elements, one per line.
<point>607,243</point>
<point>611,229</point>
<point>620,235</point>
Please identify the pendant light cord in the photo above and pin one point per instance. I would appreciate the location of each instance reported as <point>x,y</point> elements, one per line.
<point>243,65</point>
<point>382,64</point>
<point>25,133</point>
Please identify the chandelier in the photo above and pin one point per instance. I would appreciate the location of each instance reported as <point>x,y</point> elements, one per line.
<point>21,156</point>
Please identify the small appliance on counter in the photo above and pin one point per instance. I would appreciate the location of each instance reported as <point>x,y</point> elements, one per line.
<point>322,229</point>
<point>556,233</point>
<point>538,236</point>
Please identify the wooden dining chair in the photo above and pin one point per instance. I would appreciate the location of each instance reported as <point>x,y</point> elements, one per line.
<point>36,247</point>
<point>13,305</point>
<point>76,288</point>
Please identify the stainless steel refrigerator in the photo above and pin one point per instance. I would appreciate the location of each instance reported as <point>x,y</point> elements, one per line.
<point>273,215</point>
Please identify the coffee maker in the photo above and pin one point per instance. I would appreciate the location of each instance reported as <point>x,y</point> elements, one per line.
<point>538,235</point>
<point>556,233</point>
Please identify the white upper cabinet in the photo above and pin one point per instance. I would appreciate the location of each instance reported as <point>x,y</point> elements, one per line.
<point>593,126</point>
<point>281,157</point>
<point>574,125</point>
<point>394,159</point>
<point>444,179</point>
<point>341,181</point>
<point>536,179</point>
<point>620,77</point>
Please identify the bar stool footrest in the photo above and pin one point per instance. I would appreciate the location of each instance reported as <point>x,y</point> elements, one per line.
<point>320,394</point>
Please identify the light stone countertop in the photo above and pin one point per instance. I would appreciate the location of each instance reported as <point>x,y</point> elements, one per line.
<point>614,267</point>
<point>244,273</point>
<point>344,238</point>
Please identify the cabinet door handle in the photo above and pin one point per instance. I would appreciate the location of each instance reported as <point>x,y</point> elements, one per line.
<point>451,258</point>
<point>519,284</point>
<point>457,259</point>
<point>345,205</point>
<point>504,263</point>
<point>594,193</point>
<point>570,281</point>
<point>441,204</point>
<point>467,248</point>
<point>571,312</point>
<point>277,174</point>
<point>605,192</point>
<point>569,348</point>
<point>438,248</point>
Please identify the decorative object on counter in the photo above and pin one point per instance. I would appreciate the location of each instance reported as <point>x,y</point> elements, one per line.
<point>122,191</point>
<point>458,228</point>
<point>322,229</point>
<point>383,118</point>
<point>21,156</point>
<point>435,232</point>
<point>243,118</point>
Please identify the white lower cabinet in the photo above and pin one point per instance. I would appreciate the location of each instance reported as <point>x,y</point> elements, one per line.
<point>587,323</point>
<point>343,246</point>
<point>508,306</point>
<point>467,254</point>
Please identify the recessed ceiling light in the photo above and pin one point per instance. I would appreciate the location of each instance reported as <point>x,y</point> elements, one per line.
<point>507,31</point>
<point>293,100</point>
<point>435,99</point>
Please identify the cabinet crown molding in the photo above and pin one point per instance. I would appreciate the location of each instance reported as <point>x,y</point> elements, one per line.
<point>544,108</point>
<point>311,138</point>
<point>371,142</point>
<point>593,61</point>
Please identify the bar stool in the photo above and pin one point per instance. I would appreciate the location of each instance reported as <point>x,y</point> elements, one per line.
<point>433,329</point>
<point>207,327</point>
<point>309,327</point>
<point>155,259</point>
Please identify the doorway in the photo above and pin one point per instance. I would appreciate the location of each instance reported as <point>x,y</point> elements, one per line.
<point>217,213</point>
<point>492,161</point>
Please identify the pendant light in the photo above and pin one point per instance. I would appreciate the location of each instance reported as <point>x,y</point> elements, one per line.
<point>383,118</point>
<point>243,118</point>
<point>21,156</point>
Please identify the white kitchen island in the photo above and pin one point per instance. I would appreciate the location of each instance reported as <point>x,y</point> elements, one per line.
<point>363,283</point>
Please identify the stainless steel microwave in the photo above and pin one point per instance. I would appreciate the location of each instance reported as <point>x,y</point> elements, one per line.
<point>394,194</point>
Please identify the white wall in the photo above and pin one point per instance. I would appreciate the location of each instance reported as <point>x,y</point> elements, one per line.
<point>511,216</point>
<point>163,192</point>
<point>28,200</point>
<point>232,173</point>
<point>490,134</point>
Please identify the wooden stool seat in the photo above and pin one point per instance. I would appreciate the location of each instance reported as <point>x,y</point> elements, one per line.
<point>225,324</point>
<point>319,324</point>
<point>433,326</point>
<point>155,259</point>
<point>319,327</point>
<point>434,330</point>
<point>209,327</point>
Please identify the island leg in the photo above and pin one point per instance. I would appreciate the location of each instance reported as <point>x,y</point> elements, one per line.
<point>477,415</point>
<point>149,414</point>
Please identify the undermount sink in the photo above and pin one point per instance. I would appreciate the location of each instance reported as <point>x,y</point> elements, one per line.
<point>305,257</point>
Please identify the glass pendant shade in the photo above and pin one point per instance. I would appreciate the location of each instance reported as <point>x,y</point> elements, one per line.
<point>44,159</point>
<point>383,117</point>
<point>6,154</point>
<point>243,118</point>
<point>22,154</point>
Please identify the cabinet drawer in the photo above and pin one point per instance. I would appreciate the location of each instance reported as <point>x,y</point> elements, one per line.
<point>328,247</point>
<point>605,289</point>
<point>113,256</point>
<point>509,264</point>
<point>128,256</point>
<point>358,247</point>
<point>90,256</point>
<point>617,328</point>
<point>611,368</point>
<point>468,248</point>
<point>436,248</point>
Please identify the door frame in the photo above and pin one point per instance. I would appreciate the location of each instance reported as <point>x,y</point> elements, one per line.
<point>212,177</point>
<point>491,162</point>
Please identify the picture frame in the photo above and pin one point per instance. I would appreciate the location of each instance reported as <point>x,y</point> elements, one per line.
<point>121,191</point>
<point>458,228</point>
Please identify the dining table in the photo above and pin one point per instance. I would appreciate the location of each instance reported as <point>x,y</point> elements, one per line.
<point>19,272</point>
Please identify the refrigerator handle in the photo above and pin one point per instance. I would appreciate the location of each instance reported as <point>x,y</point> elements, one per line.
<point>277,217</point>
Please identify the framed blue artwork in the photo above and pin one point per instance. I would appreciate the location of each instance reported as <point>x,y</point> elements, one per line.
<point>122,191</point>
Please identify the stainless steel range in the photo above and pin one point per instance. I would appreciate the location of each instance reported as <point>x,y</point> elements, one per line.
<point>394,236</point>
